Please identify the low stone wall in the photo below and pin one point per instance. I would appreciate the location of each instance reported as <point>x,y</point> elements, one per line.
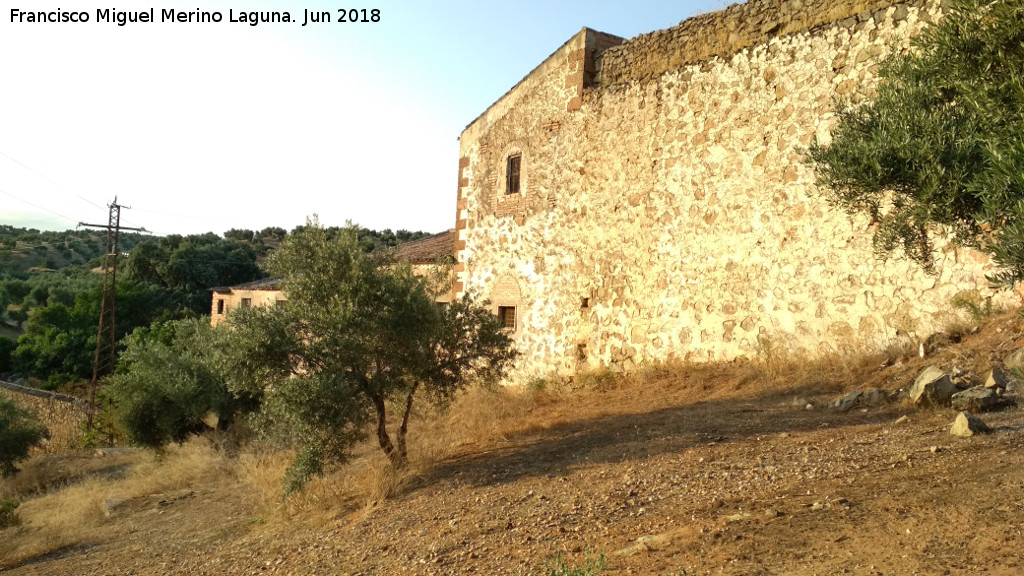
<point>63,415</point>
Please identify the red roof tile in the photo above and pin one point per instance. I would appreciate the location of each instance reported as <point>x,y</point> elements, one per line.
<point>428,250</point>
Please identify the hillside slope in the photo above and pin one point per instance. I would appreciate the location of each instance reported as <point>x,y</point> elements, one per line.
<point>714,469</point>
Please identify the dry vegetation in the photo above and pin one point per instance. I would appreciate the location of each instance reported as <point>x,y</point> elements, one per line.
<point>505,479</point>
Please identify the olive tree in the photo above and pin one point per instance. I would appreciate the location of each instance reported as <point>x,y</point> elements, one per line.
<point>942,141</point>
<point>170,379</point>
<point>359,333</point>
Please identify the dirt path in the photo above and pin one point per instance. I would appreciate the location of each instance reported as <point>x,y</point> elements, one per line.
<point>730,485</point>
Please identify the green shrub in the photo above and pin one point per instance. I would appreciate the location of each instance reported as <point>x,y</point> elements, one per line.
<point>55,381</point>
<point>971,302</point>
<point>8,517</point>
<point>20,430</point>
<point>7,347</point>
<point>163,389</point>
<point>557,566</point>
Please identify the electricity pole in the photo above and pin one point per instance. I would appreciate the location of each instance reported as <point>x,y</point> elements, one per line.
<point>103,362</point>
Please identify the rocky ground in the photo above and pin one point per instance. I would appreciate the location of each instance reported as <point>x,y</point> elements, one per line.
<point>680,473</point>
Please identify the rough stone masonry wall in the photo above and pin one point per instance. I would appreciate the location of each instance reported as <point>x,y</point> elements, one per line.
<point>673,217</point>
<point>63,415</point>
<point>728,31</point>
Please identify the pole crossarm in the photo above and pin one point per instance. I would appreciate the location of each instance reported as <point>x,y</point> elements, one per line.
<point>105,226</point>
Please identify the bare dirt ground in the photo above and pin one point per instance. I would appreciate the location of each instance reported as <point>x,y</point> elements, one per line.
<point>718,469</point>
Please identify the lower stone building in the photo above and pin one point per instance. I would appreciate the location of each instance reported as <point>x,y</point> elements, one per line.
<point>430,256</point>
<point>258,293</point>
<point>433,257</point>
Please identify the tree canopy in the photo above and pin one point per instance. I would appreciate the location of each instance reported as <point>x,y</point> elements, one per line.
<point>942,141</point>
<point>170,381</point>
<point>358,332</point>
<point>57,305</point>
<point>24,248</point>
<point>60,340</point>
<point>189,266</point>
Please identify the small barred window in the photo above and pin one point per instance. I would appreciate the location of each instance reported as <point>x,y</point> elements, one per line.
<point>507,314</point>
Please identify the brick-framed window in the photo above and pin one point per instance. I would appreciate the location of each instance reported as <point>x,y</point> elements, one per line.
<point>513,171</point>
<point>507,314</point>
<point>246,302</point>
<point>220,306</point>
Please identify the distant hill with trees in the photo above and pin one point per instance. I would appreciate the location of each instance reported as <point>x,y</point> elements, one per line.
<point>22,249</point>
<point>51,286</point>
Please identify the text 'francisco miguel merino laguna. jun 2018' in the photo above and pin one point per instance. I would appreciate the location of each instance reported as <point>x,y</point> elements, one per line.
<point>171,15</point>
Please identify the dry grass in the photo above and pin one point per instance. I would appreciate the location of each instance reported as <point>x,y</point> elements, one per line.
<point>262,471</point>
<point>63,496</point>
<point>48,472</point>
<point>481,416</point>
<point>478,417</point>
<point>63,503</point>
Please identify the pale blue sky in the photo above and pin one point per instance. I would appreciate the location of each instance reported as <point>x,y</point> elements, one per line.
<point>206,127</point>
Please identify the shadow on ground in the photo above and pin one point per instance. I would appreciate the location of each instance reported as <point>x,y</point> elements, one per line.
<point>558,450</point>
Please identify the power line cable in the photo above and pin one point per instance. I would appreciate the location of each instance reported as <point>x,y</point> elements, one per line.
<point>44,177</point>
<point>4,192</point>
<point>221,222</point>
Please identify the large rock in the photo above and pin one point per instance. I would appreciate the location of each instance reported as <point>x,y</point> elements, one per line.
<point>967,425</point>
<point>977,399</point>
<point>1015,360</point>
<point>960,378</point>
<point>870,397</point>
<point>997,378</point>
<point>848,402</point>
<point>932,387</point>
<point>874,397</point>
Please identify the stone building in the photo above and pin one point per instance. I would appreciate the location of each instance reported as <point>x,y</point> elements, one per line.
<point>432,256</point>
<point>257,293</point>
<point>641,200</point>
<point>426,256</point>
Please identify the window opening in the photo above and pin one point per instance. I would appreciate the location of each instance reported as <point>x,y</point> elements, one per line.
<point>507,314</point>
<point>512,168</point>
<point>246,302</point>
<point>220,306</point>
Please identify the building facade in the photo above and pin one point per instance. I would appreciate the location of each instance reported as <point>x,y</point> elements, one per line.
<point>258,293</point>
<point>430,256</point>
<point>643,200</point>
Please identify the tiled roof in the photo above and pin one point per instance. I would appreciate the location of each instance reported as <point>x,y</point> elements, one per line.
<point>265,284</point>
<point>423,251</point>
<point>428,250</point>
